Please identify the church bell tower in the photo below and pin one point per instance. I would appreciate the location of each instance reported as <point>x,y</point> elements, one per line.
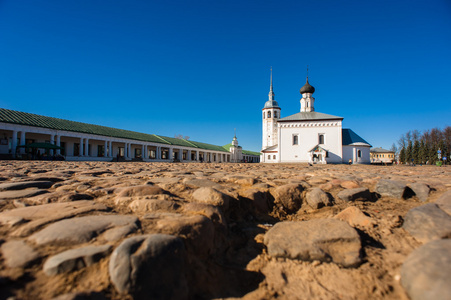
<point>307,99</point>
<point>270,116</point>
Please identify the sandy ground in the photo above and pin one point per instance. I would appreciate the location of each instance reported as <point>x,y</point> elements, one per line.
<point>239,266</point>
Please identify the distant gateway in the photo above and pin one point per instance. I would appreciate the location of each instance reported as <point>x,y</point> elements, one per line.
<point>308,136</point>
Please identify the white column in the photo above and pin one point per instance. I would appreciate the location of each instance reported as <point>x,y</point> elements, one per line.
<point>81,147</point>
<point>105,148</point>
<point>170,154</point>
<point>143,154</point>
<point>87,147</point>
<point>197,155</point>
<point>22,141</point>
<point>130,150</point>
<point>14,144</point>
<point>58,143</point>
<point>52,141</point>
<point>125,150</point>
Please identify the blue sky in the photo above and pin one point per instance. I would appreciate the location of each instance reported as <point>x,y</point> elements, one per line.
<point>201,68</point>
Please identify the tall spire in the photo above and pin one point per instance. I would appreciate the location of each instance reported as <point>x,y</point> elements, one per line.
<point>270,89</point>
<point>271,93</point>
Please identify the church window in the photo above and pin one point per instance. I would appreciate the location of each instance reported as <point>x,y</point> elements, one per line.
<point>295,139</point>
<point>275,114</point>
<point>269,156</point>
<point>321,138</point>
<point>264,115</point>
<point>359,153</point>
<point>274,157</point>
<point>269,114</point>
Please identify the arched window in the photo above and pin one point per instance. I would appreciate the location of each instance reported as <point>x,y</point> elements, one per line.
<point>321,139</point>
<point>269,156</point>
<point>264,115</point>
<point>275,114</point>
<point>359,153</point>
<point>295,139</point>
<point>274,157</point>
<point>269,114</point>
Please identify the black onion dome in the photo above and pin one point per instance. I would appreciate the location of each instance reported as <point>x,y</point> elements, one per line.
<point>307,88</point>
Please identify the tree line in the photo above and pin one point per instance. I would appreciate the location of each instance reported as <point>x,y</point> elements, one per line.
<point>422,148</point>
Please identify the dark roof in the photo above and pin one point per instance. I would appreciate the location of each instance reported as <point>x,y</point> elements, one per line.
<point>309,116</point>
<point>307,88</point>
<point>23,118</point>
<point>349,137</point>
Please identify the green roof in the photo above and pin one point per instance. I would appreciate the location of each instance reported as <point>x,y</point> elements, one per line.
<point>23,118</point>
<point>247,152</point>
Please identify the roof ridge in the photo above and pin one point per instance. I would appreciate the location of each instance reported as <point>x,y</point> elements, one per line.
<point>161,138</point>
<point>189,142</point>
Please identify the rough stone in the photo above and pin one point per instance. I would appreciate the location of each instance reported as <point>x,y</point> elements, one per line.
<point>289,195</point>
<point>144,206</point>
<point>141,190</point>
<point>198,232</point>
<point>444,202</point>
<point>355,217</point>
<point>150,267</point>
<point>200,183</point>
<point>118,233</point>
<point>428,222</point>
<point>317,198</point>
<point>392,188</point>
<point>25,185</point>
<point>421,190</point>
<point>16,194</point>
<point>362,194</point>
<point>80,230</point>
<point>260,199</point>
<point>319,239</point>
<point>18,254</point>
<point>75,259</point>
<point>40,215</point>
<point>349,184</point>
<point>209,195</point>
<point>426,272</point>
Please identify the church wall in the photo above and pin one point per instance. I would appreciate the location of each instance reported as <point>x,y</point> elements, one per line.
<point>351,153</point>
<point>308,133</point>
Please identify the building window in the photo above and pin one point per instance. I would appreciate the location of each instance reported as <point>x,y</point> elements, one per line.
<point>295,139</point>
<point>359,153</point>
<point>275,114</point>
<point>269,114</point>
<point>273,157</point>
<point>321,139</point>
<point>269,156</point>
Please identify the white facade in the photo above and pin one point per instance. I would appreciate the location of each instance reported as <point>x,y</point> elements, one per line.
<point>308,136</point>
<point>298,138</point>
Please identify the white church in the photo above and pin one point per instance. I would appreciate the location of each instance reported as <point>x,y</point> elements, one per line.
<point>308,136</point>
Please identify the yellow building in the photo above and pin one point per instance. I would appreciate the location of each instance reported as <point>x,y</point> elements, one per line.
<point>381,156</point>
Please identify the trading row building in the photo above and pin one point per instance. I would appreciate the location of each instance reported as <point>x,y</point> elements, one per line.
<point>25,135</point>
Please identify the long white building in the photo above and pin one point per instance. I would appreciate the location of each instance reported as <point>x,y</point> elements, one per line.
<point>25,135</point>
<point>308,136</point>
